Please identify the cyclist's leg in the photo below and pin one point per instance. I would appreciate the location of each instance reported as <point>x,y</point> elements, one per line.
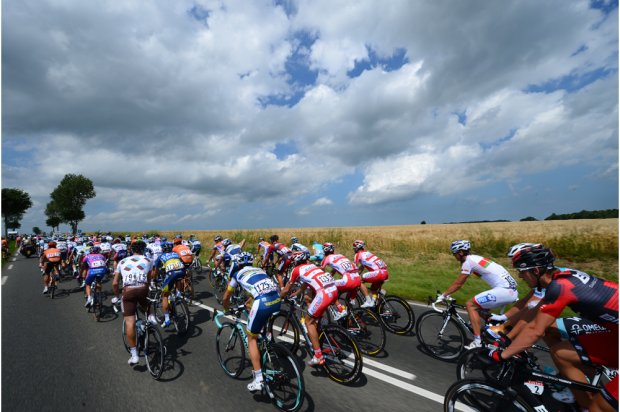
<point>607,400</point>
<point>489,299</point>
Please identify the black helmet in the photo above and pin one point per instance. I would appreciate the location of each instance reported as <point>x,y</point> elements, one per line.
<point>218,238</point>
<point>533,257</point>
<point>166,247</point>
<point>328,248</point>
<point>274,238</point>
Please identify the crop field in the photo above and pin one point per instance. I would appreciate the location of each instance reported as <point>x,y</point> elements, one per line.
<point>419,258</point>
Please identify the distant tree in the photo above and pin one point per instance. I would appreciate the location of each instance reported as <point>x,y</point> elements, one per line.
<point>70,196</point>
<point>423,222</point>
<point>15,202</point>
<point>53,216</point>
<point>586,214</point>
<point>529,219</point>
<point>36,230</point>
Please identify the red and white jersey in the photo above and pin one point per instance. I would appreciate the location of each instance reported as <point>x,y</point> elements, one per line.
<point>314,277</point>
<point>340,264</point>
<point>281,249</point>
<point>369,261</point>
<point>492,273</point>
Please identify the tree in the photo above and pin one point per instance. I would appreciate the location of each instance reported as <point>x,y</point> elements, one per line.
<point>69,198</point>
<point>15,202</point>
<point>36,230</point>
<point>53,216</point>
<point>529,219</point>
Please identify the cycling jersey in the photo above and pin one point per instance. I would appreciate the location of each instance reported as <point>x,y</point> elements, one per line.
<point>195,246</point>
<point>96,267</point>
<point>298,247</point>
<point>350,280</point>
<point>369,261</point>
<point>52,255</point>
<point>184,253</point>
<point>492,273</point>
<point>323,285</point>
<point>319,254</point>
<point>134,270</point>
<point>254,281</point>
<point>153,251</point>
<point>266,246</point>
<point>174,267</point>
<point>105,247</point>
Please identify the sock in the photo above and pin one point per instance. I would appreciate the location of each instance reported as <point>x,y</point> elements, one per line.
<point>318,353</point>
<point>258,375</point>
<point>167,315</point>
<point>340,307</point>
<point>133,351</point>
<point>477,338</point>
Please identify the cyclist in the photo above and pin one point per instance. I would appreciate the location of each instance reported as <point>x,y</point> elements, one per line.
<point>503,286</point>
<point>153,250</point>
<point>325,294</point>
<point>195,245</point>
<point>317,249</point>
<point>93,266</point>
<point>135,271</point>
<point>5,248</point>
<point>218,249</point>
<point>106,248</point>
<point>377,272</point>
<point>296,246</point>
<point>285,257</point>
<point>594,299</point>
<point>120,251</point>
<point>264,301</point>
<point>175,270</point>
<point>184,252</point>
<point>49,262</point>
<point>350,280</point>
<point>266,257</point>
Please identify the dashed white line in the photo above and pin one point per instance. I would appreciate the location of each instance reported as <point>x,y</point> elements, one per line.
<point>4,280</point>
<point>10,267</point>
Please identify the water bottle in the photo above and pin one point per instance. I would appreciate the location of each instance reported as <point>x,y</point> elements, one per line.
<point>140,327</point>
<point>303,323</point>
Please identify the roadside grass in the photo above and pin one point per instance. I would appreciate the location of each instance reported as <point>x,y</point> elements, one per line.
<point>11,252</point>
<point>419,259</point>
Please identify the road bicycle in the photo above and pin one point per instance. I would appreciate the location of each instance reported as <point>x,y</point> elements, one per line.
<point>149,344</point>
<point>177,308</point>
<point>283,380</point>
<point>517,387</point>
<point>97,296</point>
<point>186,285</point>
<point>196,265</point>
<point>442,332</point>
<point>364,325</point>
<point>343,358</point>
<point>393,311</point>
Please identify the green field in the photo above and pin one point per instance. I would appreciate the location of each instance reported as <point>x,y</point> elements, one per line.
<point>419,259</point>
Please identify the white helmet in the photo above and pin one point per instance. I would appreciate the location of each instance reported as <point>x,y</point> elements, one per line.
<point>459,245</point>
<point>520,246</point>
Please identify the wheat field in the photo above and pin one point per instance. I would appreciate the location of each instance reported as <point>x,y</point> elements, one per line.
<point>419,259</point>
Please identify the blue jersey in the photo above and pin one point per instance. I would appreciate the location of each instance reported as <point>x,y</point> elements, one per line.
<point>254,281</point>
<point>170,261</point>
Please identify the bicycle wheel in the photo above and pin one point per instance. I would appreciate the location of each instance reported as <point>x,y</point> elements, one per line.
<point>396,315</point>
<point>188,289</point>
<point>230,349</point>
<point>440,335</point>
<point>125,342</point>
<point>220,288</point>
<point>284,331</point>
<point>343,359</point>
<point>180,316</point>
<point>154,351</point>
<point>198,265</point>
<point>483,396</point>
<point>469,366</point>
<point>98,304</point>
<point>367,330</point>
<point>214,275</point>
<point>284,381</point>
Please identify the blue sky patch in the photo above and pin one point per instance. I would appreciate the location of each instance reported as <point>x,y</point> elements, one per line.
<point>200,14</point>
<point>394,62</point>
<point>571,82</point>
<point>488,145</point>
<point>284,150</point>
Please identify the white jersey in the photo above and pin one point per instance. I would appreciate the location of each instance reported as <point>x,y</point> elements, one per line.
<point>117,247</point>
<point>153,251</point>
<point>62,246</point>
<point>105,247</point>
<point>298,247</point>
<point>340,264</point>
<point>134,270</point>
<point>492,273</point>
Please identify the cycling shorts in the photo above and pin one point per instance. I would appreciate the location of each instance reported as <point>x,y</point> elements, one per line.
<point>284,263</point>
<point>48,267</point>
<point>134,296</point>
<point>495,298</point>
<point>120,255</point>
<point>376,278</point>
<point>172,277</point>
<point>322,299</point>
<point>92,274</point>
<point>349,284</point>
<point>262,309</point>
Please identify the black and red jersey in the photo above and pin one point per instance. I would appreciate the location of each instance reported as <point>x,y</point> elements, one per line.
<point>592,298</point>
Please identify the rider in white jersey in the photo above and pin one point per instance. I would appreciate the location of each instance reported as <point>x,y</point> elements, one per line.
<point>503,286</point>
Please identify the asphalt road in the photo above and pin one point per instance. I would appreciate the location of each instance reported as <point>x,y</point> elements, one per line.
<point>56,357</point>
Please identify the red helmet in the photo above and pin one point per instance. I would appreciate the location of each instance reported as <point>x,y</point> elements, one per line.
<point>358,245</point>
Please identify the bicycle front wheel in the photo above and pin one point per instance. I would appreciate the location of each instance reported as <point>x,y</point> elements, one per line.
<point>396,315</point>
<point>284,381</point>
<point>154,351</point>
<point>440,335</point>
<point>470,366</point>
<point>343,359</point>
<point>230,349</point>
<point>180,316</point>
<point>367,330</point>
<point>483,396</point>
<point>284,331</point>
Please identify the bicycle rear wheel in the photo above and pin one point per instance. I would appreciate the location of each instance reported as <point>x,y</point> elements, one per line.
<point>219,288</point>
<point>367,330</point>
<point>483,396</point>
<point>180,316</point>
<point>125,342</point>
<point>343,359</point>
<point>230,349</point>
<point>98,304</point>
<point>188,288</point>
<point>284,381</point>
<point>284,331</point>
<point>154,351</point>
<point>442,337</point>
<point>396,315</point>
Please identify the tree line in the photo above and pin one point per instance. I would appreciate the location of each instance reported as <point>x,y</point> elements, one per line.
<point>66,204</point>
<point>584,214</point>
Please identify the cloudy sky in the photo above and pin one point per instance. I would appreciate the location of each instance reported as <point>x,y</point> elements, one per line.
<point>296,113</point>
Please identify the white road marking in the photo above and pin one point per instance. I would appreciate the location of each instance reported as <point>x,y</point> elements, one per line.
<point>10,267</point>
<point>382,376</point>
<point>4,279</point>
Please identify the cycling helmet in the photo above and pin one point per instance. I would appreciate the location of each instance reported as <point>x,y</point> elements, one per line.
<point>260,239</point>
<point>95,249</point>
<point>192,237</point>
<point>51,244</point>
<point>138,247</point>
<point>459,245</point>
<point>243,259</point>
<point>164,239</point>
<point>328,248</point>
<point>301,257</point>
<point>533,257</point>
<point>177,241</point>
<point>218,238</point>
<point>274,238</point>
<point>117,241</point>
<point>357,245</point>
<point>178,236</point>
<point>519,247</point>
<point>227,242</point>
<point>294,239</point>
<point>166,247</point>
<point>90,244</point>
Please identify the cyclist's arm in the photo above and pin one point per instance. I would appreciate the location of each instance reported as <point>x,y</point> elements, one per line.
<point>532,332</point>
<point>458,283</point>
